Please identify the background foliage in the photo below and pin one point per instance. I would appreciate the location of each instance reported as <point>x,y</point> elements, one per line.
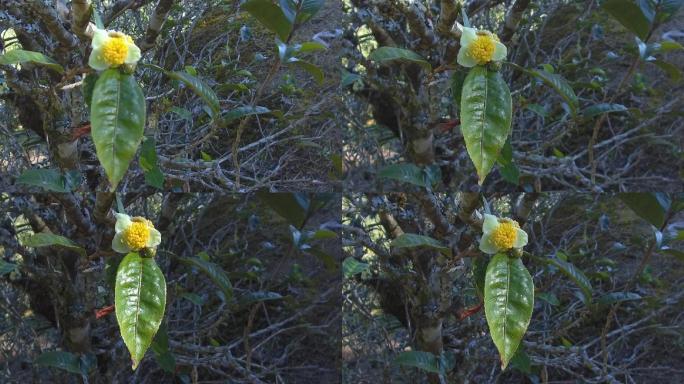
<point>207,47</point>
<point>251,297</point>
<point>592,105</point>
<point>608,289</point>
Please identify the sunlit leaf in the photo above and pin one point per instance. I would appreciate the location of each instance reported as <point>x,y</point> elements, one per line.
<point>386,55</point>
<point>18,56</point>
<point>412,240</point>
<point>509,300</point>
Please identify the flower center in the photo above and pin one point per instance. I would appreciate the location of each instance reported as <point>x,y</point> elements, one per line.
<point>505,234</point>
<point>115,50</point>
<point>136,236</point>
<point>482,48</point>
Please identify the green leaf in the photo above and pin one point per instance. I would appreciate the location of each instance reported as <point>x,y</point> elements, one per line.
<point>672,70</point>
<point>509,300</point>
<point>486,112</point>
<point>270,16</point>
<point>66,361</point>
<point>418,359</point>
<point>293,207</point>
<point>6,267</point>
<point>244,111</point>
<point>574,273</point>
<point>559,84</point>
<point>406,173</point>
<point>651,207</point>
<point>48,239</point>
<point>199,88</point>
<point>148,163</point>
<point>630,15</point>
<point>599,109</point>
<point>215,273</point>
<point>19,56</point>
<point>549,298</point>
<point>315,71</point>
<point>666,9</point>
<point>384,55</point>
<point>352,267</point>
<point>521,361</point>
<point>88,86</point>
<point>117,118</point>
<point>412,240</point>
<point>46,178</point>
<point>457,80</point>
<point>160,347</point>
<point>479,273</point>
<point>308,9</point>
<point>258,296</point>
<point>140,301</point>
<point>615,297</point>
<point>508,170</point>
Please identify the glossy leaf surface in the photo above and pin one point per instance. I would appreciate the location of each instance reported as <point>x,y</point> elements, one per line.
<point>140,299</point>
<point>509,300</point>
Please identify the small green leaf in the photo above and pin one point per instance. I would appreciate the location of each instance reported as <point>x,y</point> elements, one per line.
<point>549,298</point>
<point>406,173</point>
<point>18,56</point>
<point>486,112</point>
<point>615,297</point>
<point>46,178</point>
<point>352,267</point>
<point>244,111</point>
<point>66,361</point>
<point>270,16</point>
<point>672,70</point>
<point>560,85</point>
<point>258,296</point>
<point>412,240</point>
<point>630,15</point>
<point>140,301</point>
<point>509,300</point>
<point>574,273</point>
<point>457,80</point>
<point>419,359</point>
<point>88,87</point>
<point>199,88</point>
<point>117,117</point>
<point>315,71</point>
<point>215,273</point>
<point>48,239</point>
<point>160,347</point>
<point>6,267</point>
<point>384,55</point>
<point>651,207</point>
<point>148,163</point>
<point>599,109</point>
<point>293,207</point>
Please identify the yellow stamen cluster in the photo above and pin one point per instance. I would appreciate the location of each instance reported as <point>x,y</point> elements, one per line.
<point>505,234</point>
<point>136,235</point>
<point>115,50</point>
<point>482,48</point>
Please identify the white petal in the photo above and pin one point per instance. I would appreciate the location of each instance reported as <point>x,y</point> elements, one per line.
<point>500,51</point>
<point>123,221</point>
<point>155,238</point>
<point>487,246</point>
<point>520,239</point>
<point>118,244</point>
<point>99,38</point>
<point>133,54</point>
<point>490,224</point>
<point>467,36</point>
<point>95,62</point>
<point>464,58</point>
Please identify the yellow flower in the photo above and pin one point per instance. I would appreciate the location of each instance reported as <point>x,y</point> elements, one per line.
<point>134,234</point>
<point>112,49</point>
<point>479,48</point>
<point>501,234</point>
